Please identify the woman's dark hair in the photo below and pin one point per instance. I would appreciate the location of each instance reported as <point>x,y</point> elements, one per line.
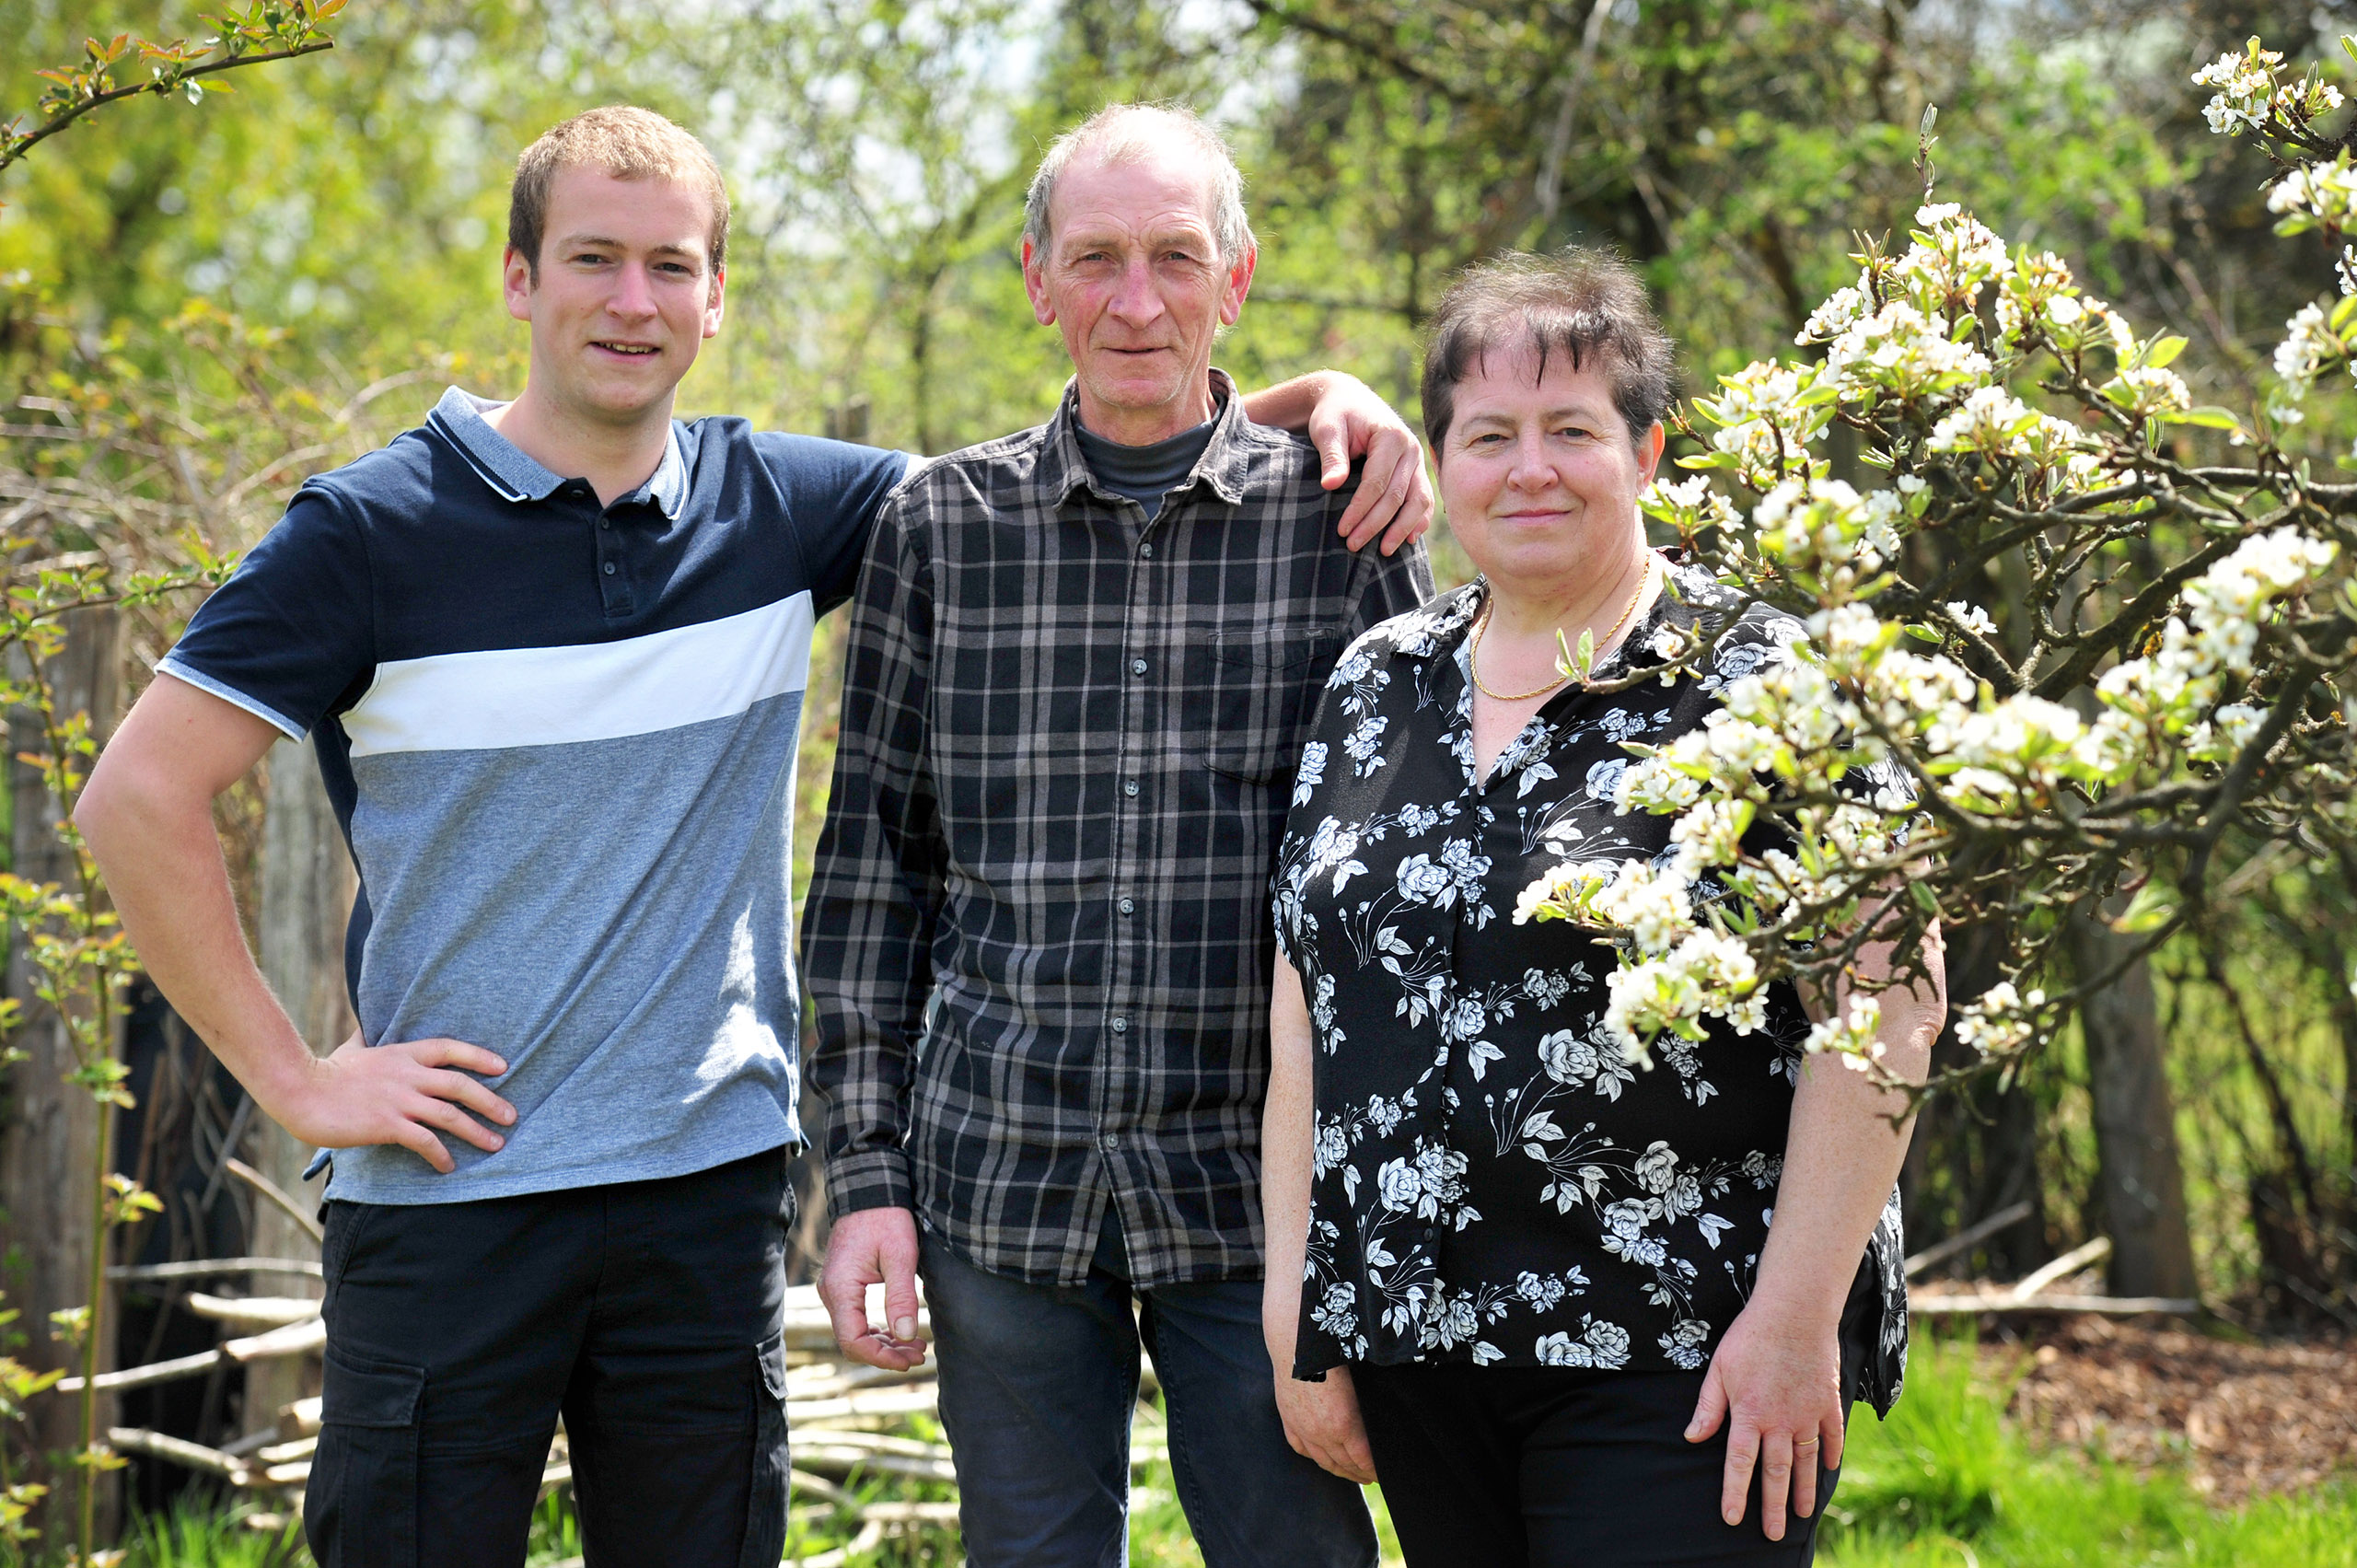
<point>1576,301</point>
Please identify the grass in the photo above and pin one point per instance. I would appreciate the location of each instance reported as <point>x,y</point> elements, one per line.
<point>1946,1482</point>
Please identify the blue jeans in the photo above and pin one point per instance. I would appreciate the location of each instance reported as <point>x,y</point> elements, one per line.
<point>1036,1386</point>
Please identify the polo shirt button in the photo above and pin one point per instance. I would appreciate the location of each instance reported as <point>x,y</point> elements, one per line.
<point>1121,1025</point>
<point>605,522</point>
<point>1137,667</point>
<point>1129,786</point>
<point>1128,906</point>
<point>609,568</point>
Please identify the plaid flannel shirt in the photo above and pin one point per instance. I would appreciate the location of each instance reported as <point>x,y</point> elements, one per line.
<point>1038,934</point>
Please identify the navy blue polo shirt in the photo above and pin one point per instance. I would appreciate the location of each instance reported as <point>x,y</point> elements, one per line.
<point>561,740</point>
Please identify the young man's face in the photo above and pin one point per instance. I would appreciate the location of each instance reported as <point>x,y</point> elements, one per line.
<point>626,293</point>
<point>1134,279</point>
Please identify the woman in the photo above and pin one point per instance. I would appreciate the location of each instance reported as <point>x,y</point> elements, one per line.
<point>1543,1303</point>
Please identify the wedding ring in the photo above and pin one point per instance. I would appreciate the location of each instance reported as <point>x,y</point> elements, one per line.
<point>1810,1443</point>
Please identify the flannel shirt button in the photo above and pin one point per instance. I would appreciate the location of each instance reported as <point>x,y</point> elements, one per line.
<point>1137,667</point>
<point>1146,550</point>
<point>1121,1025</point>
<point>1109,1142</point>
<point>1128,906</point>
<point>1129,786</point>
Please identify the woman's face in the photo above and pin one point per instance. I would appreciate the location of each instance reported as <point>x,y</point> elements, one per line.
<point>1539,473</point>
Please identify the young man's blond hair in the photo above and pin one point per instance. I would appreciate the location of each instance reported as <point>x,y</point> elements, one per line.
<point>628,142</point>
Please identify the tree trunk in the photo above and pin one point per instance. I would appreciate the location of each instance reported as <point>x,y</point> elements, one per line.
<point>2138,1175</point>
<point>48,1143</point>
<point>306,893</point>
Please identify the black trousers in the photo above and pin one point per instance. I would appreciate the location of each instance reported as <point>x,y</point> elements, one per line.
<point>648,1313</point>
<point>1558,1466</point>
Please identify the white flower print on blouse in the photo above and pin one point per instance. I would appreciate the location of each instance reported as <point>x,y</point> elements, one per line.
<point>1312,773</point>
<point>1492,1180</point>
<point>1600,1344</point>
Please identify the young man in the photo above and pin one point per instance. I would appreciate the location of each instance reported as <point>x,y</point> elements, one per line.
<point>552,653</point>
<point>1082,661</point>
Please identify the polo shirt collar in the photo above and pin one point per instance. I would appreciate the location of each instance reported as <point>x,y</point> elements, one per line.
<point>1063,468</point>
<point>518,477</point>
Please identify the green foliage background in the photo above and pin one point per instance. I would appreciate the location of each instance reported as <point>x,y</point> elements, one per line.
<point>338,222</point>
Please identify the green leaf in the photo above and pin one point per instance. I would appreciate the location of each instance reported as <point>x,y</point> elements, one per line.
<point>1925,899</point>
<point>2208,418</point>
<point>2161,350</point>
<point>2149,911</point>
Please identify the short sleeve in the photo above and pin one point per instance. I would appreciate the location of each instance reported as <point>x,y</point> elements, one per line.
<point>291,636</point>
<point>833,491</point>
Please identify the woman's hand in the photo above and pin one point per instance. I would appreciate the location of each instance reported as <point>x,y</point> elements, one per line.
<point>1322,1423</point>
<point>1775,1384</point>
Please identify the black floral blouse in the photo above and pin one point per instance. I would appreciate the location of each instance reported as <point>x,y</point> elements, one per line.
<point>1491,1181</point>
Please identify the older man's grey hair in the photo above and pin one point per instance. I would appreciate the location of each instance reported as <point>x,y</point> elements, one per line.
<point>1132,132</point>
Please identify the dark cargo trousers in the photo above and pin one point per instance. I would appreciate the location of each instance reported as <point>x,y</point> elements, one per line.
<point>648,1313</point>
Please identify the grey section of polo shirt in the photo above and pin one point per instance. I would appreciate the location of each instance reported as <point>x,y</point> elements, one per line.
<point>612,917</point>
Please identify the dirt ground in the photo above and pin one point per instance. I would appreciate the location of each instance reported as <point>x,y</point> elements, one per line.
<point>2273,1416</point>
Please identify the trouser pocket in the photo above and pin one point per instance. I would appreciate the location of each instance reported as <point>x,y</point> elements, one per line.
<point>360,1507</point>
<point>766,1500</point>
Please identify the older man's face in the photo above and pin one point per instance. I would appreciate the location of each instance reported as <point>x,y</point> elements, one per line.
<point>1135,280</point>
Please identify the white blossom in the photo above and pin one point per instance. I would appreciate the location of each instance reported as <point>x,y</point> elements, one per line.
<point>2316,194</point>
<point>1998,1020</point>
<point>2246,84</point>
<point>1972,618</point>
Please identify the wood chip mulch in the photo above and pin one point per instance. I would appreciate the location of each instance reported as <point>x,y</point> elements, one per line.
<point>2279,1416</point>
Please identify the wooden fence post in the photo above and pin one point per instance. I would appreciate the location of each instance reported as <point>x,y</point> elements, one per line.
<point>306,885</point>
<point>49,1134</point>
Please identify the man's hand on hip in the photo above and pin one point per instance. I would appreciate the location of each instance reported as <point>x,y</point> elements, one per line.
<point>871,1247</point>
<point>401,1093</point>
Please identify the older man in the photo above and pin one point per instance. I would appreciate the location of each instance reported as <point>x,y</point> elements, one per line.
<point>1082,660</point>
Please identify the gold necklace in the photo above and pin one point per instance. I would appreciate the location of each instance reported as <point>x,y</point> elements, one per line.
<point>1473,653</point>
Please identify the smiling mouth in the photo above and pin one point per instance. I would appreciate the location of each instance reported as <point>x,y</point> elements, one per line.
<point>635,351</point>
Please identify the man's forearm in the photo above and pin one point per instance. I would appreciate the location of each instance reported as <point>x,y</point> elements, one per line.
<point>1288,404</point>
<point>165,873</point>
<point>873,1174</point>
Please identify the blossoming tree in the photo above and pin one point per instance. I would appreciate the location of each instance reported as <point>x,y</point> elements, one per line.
<point>2178,628</point>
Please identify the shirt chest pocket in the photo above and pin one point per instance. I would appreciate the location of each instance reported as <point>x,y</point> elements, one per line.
<point>1250,692</point>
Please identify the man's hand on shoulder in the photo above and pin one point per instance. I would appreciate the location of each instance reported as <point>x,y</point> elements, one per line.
<point>869,1247</point>
<point>1345,419</point>
<point>1395,497</point>
<point>396,1094</point>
